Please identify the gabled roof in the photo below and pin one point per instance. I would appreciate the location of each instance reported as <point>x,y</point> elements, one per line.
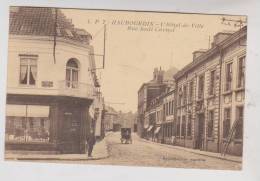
<point>41,21</point>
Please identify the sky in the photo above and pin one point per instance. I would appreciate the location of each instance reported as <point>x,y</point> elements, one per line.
<point>149,40</point>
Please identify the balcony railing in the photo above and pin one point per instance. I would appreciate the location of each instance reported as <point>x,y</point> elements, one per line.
<point>76,89</point>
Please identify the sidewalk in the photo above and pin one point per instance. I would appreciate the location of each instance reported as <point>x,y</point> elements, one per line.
<point>100,151</point>
<point>232,158</point>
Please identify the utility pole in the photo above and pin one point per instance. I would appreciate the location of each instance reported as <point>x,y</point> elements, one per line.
<point>104,50</point>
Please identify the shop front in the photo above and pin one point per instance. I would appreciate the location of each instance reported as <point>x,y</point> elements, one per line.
<point>46,123</point>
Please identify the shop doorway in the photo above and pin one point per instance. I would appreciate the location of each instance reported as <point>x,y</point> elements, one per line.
<point>71,133</point>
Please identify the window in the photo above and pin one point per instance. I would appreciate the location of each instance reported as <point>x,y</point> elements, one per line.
<point>28,70</point>
<point>184,94</point>
<point>164,109</point>
<point>211,123</point>
<point>183,126</point>
<point>180,97</point>
<point>31,123</point>
<point>191,91</point>
<point>189,126</point>
<point>178,125</point>
<point>201,87</point>
<point>27,123</point>
<point>72,70</point>
<point>42,122</point>
<point>167,109</point>
<point>226,122</point>
<point>212,82</point>
<point>172,107</point>
<point>228,77</point>
<point>239,117</point>
<point>241,72</point>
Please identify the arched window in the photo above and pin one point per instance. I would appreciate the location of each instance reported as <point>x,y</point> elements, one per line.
<point>72,72</point>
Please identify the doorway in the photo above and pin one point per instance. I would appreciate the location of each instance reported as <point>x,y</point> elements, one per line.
<point>200,128</point>
<point>71,133</point>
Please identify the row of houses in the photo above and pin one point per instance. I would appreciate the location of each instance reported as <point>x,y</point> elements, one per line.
<point>202,108</point>
<point>115,120</point>
<point>53,95</point>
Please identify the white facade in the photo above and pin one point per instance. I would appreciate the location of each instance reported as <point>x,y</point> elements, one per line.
<point>48,70</point>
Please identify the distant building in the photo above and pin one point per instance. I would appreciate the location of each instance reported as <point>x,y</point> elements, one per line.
<point>160,115</point>
<point>148,99</point>
<point>111,119</point>
<point>167,127</point>
<point>50,85</point>
<point>147,92</point>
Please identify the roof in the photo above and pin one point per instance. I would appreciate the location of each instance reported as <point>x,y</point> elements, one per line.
<point>168,74</point>
<point>202,58</point>
<point>110,110</point>
<point>41,21</point>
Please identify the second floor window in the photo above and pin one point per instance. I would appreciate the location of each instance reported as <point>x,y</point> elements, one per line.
<point>184,94</point>
<point>201,87</point>
<point>72,71</point>
<point>28,70</point>
<point>172,110</point>
<point>179,97</point>
<point>167,109</point>
<point>228,77</point>
<point>190,91</point>
<point>241,72</point>
<point>212,82</point>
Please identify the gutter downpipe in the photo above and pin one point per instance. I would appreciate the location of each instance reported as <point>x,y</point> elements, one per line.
<point>220,88</point>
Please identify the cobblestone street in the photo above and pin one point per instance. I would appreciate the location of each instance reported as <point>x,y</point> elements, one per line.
<point>142,153</point>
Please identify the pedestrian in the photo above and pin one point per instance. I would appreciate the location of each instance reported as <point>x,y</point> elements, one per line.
<point>91,141</point>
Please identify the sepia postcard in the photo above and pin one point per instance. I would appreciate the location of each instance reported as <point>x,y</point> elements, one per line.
<point>129,88</point>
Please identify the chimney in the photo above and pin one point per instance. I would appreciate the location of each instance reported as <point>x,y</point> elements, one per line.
<point>219,37</point>
<point>155,73</point>
<point>160,76</point>
<point>198,53</point>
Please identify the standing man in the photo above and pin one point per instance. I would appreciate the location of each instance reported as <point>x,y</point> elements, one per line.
<point>91,140</point>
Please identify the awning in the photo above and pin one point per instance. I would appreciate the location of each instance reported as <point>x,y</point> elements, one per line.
<point>37,111</point>
<point>157,130</point>
<point>150,128</point>
<point>16,110</point>
<point>27,110</point>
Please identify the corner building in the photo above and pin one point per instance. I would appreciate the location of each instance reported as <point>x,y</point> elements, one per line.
<point>50,84</point>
